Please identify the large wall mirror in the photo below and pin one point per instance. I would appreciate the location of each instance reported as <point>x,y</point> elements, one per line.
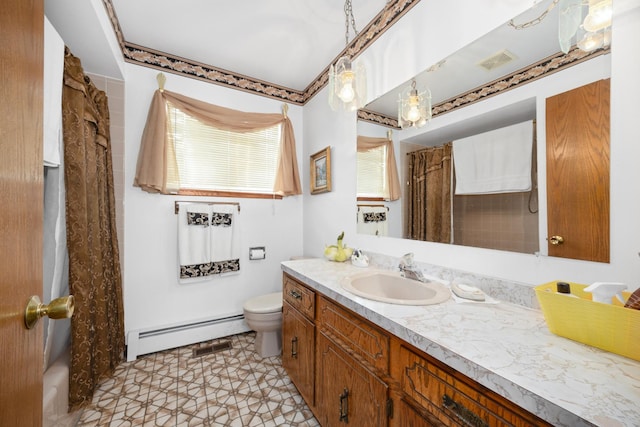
<point>502,82</point>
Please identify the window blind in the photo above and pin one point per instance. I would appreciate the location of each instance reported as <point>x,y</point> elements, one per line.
<point>372,174</point>
<point>212,159</point>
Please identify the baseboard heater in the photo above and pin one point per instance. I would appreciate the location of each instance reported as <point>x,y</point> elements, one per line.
<point>145,341</point>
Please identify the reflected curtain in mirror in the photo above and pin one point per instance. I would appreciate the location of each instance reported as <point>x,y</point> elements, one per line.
<point>391,180</point>
<point>429,194</point>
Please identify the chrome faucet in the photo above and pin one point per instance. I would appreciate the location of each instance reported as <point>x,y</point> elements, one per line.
<point>409,269</point>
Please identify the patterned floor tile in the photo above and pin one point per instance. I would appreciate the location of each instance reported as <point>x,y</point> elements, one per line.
<point>230,388</point>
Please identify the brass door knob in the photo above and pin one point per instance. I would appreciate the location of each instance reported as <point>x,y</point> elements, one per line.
<point>59,308</point>
<point>556,240</point>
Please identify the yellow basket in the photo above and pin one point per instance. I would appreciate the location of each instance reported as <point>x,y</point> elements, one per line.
<point>611,327</point>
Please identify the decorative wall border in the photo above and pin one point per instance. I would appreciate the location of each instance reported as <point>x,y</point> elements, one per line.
<point>188,68</point>
<point>146,57</point>
<point>377,118</point>
<point>392,12</point>
<point>543,68</point>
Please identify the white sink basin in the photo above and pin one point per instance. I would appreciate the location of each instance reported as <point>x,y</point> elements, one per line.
<point>390,287</point>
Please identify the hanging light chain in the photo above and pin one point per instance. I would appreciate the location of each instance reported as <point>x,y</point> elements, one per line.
<point>348,14</point>
<point>535,21</point>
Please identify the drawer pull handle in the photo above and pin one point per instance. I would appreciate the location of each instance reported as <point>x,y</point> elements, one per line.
<point>295,294</point>
<point>344,406</point>
<point>465,415</point>
<point>294,347</point>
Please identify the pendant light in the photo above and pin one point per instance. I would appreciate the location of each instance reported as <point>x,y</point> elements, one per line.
<point>347,79</point>
<point>589,21</point>
<point>414,108</point>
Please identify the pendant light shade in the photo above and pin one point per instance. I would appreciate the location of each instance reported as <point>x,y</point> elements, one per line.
<point>347,79</point>
<point>414,108</point>
<point>347,85</point>
<point>589,21</point>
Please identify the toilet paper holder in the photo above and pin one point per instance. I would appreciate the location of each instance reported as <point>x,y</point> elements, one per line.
<point>257,252</point>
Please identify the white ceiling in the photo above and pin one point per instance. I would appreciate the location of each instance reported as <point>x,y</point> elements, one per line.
<point>282,42</point>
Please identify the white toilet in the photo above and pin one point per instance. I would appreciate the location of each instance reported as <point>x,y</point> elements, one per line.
<point>264,315</point>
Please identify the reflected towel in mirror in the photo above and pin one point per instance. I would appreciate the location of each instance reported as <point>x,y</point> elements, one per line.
<point>372,220</point>
<point>498,161</point>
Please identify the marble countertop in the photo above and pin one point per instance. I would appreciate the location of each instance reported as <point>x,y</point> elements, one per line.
<point>505,347</point>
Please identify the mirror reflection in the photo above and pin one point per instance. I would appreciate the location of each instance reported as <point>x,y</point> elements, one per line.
<point>500,209</point>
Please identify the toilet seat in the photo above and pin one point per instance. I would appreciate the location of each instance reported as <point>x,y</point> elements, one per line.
<point>269,303</point>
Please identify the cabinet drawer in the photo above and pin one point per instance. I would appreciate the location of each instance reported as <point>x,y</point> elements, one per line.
<point>354,334</point>
<point>455,402</point>
<point>299,296</point>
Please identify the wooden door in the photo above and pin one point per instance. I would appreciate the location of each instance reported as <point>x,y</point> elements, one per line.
<point>21,187</point>
<point>298,349</point>
<point>578,172</point>
<point>344,387</point>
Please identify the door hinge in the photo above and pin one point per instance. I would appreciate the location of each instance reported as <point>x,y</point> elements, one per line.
<point>389,408</point>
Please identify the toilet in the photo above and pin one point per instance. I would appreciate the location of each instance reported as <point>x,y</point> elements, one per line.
<point>264,315</point>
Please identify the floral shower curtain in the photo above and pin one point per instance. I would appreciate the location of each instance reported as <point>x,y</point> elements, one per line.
<point>97,326</point>
<point>429,201</point>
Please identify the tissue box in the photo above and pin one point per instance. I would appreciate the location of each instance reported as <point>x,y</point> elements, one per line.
<point>610,327</point>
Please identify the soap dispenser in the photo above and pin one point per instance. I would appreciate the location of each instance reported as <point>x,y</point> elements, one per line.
<point>604,291</point>
<point>359,259</point>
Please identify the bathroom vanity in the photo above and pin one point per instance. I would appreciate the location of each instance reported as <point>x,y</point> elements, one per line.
<point>369,363</point>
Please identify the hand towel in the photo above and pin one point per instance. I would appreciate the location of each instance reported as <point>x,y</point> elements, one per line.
<point>194,240</point>
<point>498,161</point>
<point>225,238</point>
<point>208,241</point>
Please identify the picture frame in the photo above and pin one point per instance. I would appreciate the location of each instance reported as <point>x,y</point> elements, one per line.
<point>320,171</point>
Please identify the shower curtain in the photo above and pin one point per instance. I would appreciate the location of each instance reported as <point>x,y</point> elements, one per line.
<point>429,201</point>
<point>97,326</point>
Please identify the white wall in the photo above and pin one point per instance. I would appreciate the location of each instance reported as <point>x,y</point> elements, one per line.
<point>326,215</point>
<point>152,294</point>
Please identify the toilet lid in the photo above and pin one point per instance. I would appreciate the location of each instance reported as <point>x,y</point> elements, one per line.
<point>268,303</point>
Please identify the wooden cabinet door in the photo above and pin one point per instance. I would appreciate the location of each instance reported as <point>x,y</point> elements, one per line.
<point>578,172</point>
<point>346,392</point>
<point>298,350</point>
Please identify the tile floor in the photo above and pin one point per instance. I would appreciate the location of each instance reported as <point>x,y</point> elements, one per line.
<point>232,387</point>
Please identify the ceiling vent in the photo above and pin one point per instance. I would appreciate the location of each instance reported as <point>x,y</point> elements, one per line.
<point>497,60</point>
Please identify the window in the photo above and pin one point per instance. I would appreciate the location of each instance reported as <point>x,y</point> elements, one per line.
<point>211,159</point>
<point>192,147</point>
<point>372,173</point>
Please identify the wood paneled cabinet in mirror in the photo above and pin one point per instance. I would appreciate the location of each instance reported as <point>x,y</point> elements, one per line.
<point>578,173</point>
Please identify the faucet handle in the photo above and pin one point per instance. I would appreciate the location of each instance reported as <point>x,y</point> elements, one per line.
<point>407,260</point>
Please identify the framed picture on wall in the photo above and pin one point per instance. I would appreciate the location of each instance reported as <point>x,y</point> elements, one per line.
<point>320,170</point>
